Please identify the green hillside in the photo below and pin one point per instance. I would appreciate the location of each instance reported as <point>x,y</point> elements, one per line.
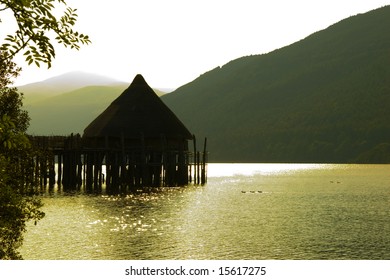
<point>323,99</point>
<point>70,112</point>
<point>67,82</point>
<point>53,113</point>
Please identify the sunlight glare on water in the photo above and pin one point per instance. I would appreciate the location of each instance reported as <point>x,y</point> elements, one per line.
<point>232,169</point>
<point>245,211</point>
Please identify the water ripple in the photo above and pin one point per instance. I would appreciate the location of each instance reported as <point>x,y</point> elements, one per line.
<point>298,214</point>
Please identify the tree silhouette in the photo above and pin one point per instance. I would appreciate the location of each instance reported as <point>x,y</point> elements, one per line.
<point>36,22</point>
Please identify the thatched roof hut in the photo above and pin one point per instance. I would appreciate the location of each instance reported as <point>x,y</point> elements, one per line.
<point>138,113</point>
<point>136,142</point>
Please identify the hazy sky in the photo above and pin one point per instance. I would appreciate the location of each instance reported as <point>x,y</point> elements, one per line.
<point>172,42</point>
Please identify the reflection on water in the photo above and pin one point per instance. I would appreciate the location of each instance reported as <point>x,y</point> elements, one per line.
<point>233,169</point>
<point>246,211</point>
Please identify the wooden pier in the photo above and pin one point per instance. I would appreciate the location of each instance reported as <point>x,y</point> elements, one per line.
<point>136,142</point>
<point>72,163</point>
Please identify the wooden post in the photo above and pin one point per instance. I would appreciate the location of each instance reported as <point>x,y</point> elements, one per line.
<point>123,175</point>
<point>204,176</point>
<point>44,163</point>
<point>194,160</point>
<point>59,178</point>
<point>52,173</point>
<point>198,167</point>
<point>182,179</point>
<point>115,172</point>
<point>89,171</point>
<point>99,168</point>
<point>163,160</point>
<point>79,164</point>
<point>108,163</point>
<point>108,170</point>
<point>96,165</point>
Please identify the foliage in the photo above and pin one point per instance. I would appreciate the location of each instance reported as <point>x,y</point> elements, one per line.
<point>36,20</point>
<point>18,205</point>
<point>322,99</point>
<point>14,121</point>
<point>8,71</point>
<point>16,210</point>
<point>35,24</point>
<point>11,105</point>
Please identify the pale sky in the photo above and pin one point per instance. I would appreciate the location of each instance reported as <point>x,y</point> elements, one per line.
<point>172,42</point>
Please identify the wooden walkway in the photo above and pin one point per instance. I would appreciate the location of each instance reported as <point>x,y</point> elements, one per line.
<point>66,161</point>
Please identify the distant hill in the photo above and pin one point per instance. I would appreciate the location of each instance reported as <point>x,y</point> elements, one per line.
<point>323,99</point>
<point>68,103</point>
<point>63,83</point>
<point>70,112</point>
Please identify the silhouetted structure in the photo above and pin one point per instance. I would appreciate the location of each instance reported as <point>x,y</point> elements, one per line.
<point>137,139</point>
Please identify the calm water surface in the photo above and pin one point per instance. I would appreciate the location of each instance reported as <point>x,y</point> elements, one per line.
<point>246,211</point>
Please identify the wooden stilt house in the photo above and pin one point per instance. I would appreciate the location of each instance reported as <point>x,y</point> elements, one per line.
<point>139,140</point>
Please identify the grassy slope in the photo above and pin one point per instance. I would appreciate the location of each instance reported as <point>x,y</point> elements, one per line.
<point>322,99</point>
<point>72,111</point>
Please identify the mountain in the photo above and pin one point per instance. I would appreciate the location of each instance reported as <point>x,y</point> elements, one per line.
<point>68,103</point>
<point>63,83</point>
<point>70,112</point>
<point>322,99</point>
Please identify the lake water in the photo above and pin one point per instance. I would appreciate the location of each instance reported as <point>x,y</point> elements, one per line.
<point>246,211</point>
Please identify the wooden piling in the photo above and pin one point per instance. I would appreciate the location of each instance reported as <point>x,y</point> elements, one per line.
<point>59,168</point>
<point>195,161</point>
<point>204,161</point>
<point>73,163</point>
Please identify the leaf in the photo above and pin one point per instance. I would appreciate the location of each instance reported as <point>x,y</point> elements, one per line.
<point>9,144</point>
<point>35,20</point>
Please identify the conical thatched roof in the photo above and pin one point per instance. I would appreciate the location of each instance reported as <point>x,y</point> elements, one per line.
<point>137,111</point>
